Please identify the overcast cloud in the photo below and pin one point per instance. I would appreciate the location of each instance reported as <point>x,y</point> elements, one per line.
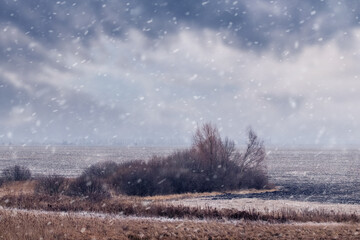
<point>149,71</point>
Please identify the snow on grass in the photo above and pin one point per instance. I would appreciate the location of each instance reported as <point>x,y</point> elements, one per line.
<point>266,206</point>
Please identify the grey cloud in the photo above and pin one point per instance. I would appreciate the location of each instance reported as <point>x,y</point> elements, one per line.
<point>47,22</point>
<point>251,25</point>
<point>66,27</point>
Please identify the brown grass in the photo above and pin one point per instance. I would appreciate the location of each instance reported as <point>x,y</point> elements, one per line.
<point>205,194</point>
<point>20,224</point>
<point>17,188</point>
<point>136,207</point>
<point>20,195</point>
<point>29,225</point>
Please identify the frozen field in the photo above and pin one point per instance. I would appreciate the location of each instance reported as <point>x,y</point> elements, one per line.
<point>71,160</point>
<point>330,176</point>
<point>311,175</point>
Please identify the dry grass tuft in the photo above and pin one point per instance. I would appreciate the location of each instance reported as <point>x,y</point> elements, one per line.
<point>17,188</point>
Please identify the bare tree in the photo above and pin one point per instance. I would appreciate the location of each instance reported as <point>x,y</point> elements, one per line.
<point>212,151</point>
<point>254,155</point>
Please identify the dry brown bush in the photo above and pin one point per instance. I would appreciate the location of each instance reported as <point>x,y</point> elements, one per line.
<point>16,173</point>
<point>51,184</point>
<point>101,170</point>
<point>88,187</point>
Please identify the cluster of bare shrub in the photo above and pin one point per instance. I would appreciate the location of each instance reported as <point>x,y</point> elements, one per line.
<point>210,164</point>
<point>15,173</point>
<point>89,187</point>
<point>90,184</point>
<point>51,185</point>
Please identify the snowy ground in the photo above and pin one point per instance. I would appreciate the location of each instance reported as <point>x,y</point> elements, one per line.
<point>268,205</point>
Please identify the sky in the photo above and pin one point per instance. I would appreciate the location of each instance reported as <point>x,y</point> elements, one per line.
<point>149,72</point>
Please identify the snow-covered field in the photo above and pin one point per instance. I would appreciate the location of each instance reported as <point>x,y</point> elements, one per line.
<point>70,161</point>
